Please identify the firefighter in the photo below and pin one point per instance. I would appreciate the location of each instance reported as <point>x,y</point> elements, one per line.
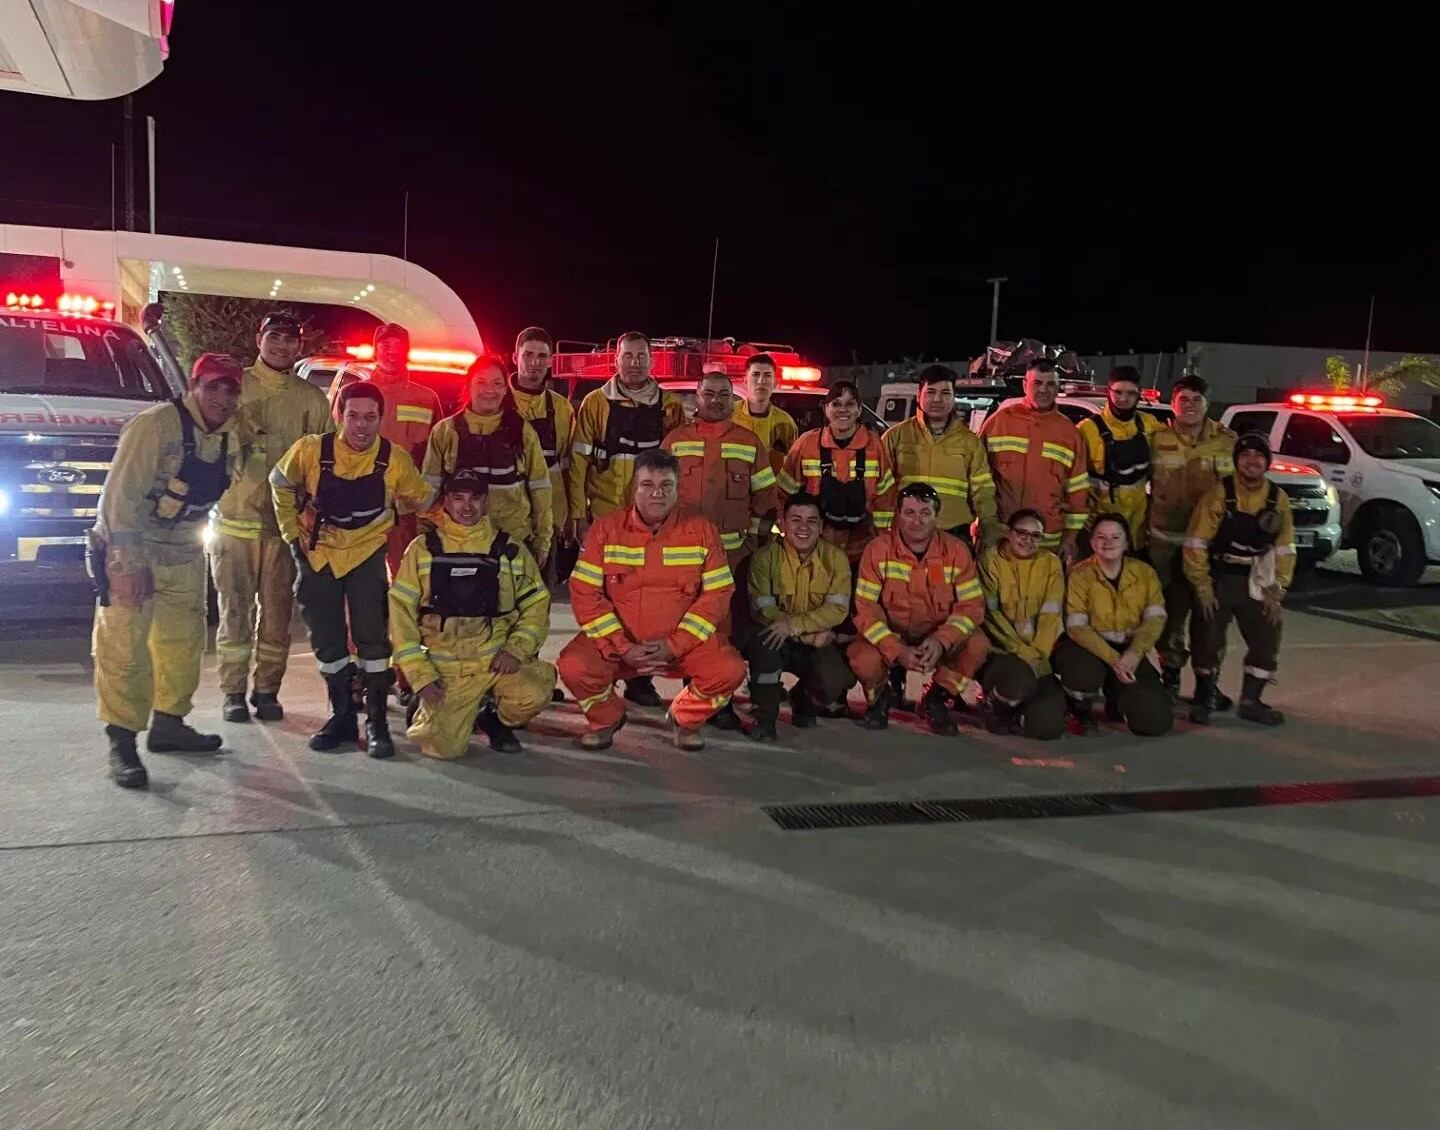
<point>549,413</point>
<point>846,466</point>
<point>1114,613</point>
<point>1039,463</point>
<point>918,605</point>
<point>799,589</point>
<point>490,437</point>
<point>253,571</point>
<point>1117,448</point>
<point>649,592</point>
<point>336,498</point>
<point>1240,560</point>
<point>1187,458</point>
<point>469,611</point>
<point>935,446</point>
<point>758,411</point>
<point>173,463</point>
<point>628,415</point>
<point>411,410</point>
<point>1024,618</point>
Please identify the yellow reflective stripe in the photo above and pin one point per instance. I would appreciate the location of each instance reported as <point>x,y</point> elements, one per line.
<point>962,624</point>
<point>884,519</point>
<point>895,570</point>
<point>233,650</point>
<point>737,451</point>
<point>410,593</point>
<point>588,573</point>
<point>688,449</point>
<point>606,624</point>
<point>595,699</point>
<point>980,477</point>
<point>624,555</point>
<point>1020,444</point>
<point>867,590</point>
<point>970,590</point>
<point>956,488</point>
<point>238,527</point>
<point>682,555</point>
<point>1075,521</point>
<point>809,467</point>
<point>887,481</point>
<point>1050,541</point>
<point>1077,482</point>
<point>1058,452</point>
<point>530,599</point>
<point>878,631</point>
<point>697,626</point>
<point>760,480</point>
<point>412,414</point>
<point>733,540</point>
<point>787,484</point>
<point>409,651</point>
<point>717,578</point>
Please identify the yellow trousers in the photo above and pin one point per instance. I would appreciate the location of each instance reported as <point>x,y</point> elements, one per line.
<point>255,584</point>
<point>148,657</point>
<point>445,732</point>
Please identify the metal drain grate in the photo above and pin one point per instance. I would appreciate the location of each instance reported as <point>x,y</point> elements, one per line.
<point>874,814</point>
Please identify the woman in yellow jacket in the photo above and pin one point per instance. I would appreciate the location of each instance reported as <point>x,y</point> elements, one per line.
<point>1114,614</point>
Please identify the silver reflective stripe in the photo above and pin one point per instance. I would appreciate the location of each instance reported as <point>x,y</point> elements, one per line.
<point>581,448</point>
<point>1115,637</point>
<point>539,484</point>
<point>1026,628</point>
<point>1284,551</point>
<point>1155,612</point>
<point>1077,619</point>
<point>375,666</point>
<point>1260,673</point>
<point>764,602</point>
<point>334,666</point>
<point>1197,543</point>
<point>838,598</point>
<point>767,679</point>
<point>1050,608</point>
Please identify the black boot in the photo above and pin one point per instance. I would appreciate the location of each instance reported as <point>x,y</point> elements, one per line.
<point>765,704</point>
<point>641,691</point>
<point>936,708</point>
<point>1113,713</point>
<point>1170,680</point>
<point>1203,704</point>
<point>267,706</point>
<point>802,709</point>
<point>897,686</point>
<point>725,718</point>
<point>1223,701</point>
<point>1251,708</point>
<point>877,717</point>
<point>342,725</point>
<point>125,766</point>
<point>235,709</point>
<point>169,734</point>
<point>502,737</point>
<point>1000,717</point>
<point>1079,715</point>
<point>378,743</point>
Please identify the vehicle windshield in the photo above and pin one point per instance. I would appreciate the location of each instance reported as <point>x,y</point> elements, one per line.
<point>65,357</point>
<point>1394,437</point>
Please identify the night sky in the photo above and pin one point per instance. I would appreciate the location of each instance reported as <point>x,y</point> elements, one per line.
<point>864,178</point>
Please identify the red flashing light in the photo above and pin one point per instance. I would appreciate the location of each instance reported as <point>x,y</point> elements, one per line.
<point>459,359</point>
<point>799,375</point>
<point>1150,395</point>
<point>74,305</point>
<point>1331,402</point>
<point>23,301</point>
<point>1291,468</point>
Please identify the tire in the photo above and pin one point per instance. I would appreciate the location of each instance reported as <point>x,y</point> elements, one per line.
<point>1391,550</point>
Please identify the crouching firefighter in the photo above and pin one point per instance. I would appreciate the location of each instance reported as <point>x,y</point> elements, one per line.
<point>336,497</point>
<point>173,463</point>
<point>1240,560</point>
<point>469,611</point>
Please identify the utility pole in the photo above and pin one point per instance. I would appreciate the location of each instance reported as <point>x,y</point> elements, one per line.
<point>995,308</point>
<point>129,163</point>
<point>1365,365</point>
<point>714,270</point>
<point>405,229</point>
<point>150,139</point>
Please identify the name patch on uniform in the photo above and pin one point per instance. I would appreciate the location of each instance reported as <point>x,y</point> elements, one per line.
<point>469,571</point>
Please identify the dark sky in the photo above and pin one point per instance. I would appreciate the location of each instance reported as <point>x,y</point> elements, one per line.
<point>864,178</point>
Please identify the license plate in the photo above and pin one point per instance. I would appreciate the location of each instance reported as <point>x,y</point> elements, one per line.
<point>1304,539</point>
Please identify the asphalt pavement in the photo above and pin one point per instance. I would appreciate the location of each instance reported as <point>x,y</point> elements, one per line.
<point>271,937</point>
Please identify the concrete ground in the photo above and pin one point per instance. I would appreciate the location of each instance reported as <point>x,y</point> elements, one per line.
<point>272,937</point>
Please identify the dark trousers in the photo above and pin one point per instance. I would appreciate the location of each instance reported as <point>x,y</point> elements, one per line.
<point>337,610</point>
<point>1038,699</point>
<point>823,673</point>
<point>1144,704</point>
<point>1262,638</point>
<point>963,533</point>
<point>1180,615</point>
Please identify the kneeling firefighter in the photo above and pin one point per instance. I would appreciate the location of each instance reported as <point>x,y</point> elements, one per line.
<point>173,463</point>
<point>469,611</point>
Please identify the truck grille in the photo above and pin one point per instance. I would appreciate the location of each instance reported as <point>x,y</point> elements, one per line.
<point>1308,504</point>
<point>54,485</point>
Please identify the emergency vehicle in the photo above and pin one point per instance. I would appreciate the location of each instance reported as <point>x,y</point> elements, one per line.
<point>441,370</point>
<point>1384,464</point>
<point>70,379</point>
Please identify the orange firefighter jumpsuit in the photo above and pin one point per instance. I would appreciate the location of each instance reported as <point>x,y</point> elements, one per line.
<point>901,599</point>
<point>630,586</point>
<point>1039,463</point>
<point>411,410</point>
<point>726,477</point>
<point>854,507</point>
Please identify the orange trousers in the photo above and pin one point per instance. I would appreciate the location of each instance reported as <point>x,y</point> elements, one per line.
<point>714,669</point>
<point>957,668</point>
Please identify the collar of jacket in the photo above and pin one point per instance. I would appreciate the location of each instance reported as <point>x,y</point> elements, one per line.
<point>859,438</point>
<point>794,554</point>
<point>466,539</point>
<point>1208,431</point>
<point>924,424</point>
<point>478,425</point>
<point>633,521</point>
<point>272,380</point>
<point>342,443</point>
<point>517,389</point>
<point>193,407</point>
<point>934,549</point>
<point>614,391</point>
<point>714,428</point>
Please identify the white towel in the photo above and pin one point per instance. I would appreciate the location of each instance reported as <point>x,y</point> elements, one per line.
<point>1262,574</point>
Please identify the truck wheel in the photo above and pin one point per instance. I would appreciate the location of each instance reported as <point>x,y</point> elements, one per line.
<point>1392,552</point>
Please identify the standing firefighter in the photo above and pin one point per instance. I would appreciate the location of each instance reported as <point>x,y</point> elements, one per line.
<point>1024,618</point>
<point>935,446</point>
<point>549,413</point>
<point>1039,463</point>
<point>336,497</point>
<point>649,592</point>
<point>1240,560</point>
<point>800,592</point>
<point>627,416</point>
<point>1117,446</point>
<point>469,611</point>
<point>1113,616</point>
<point>918,605</point>
<point>758,412</point>
<point>844,465</point>
<point>173,463</point>
<point>490,438</point>
<point>253,571</point>
<point>1187,459</point>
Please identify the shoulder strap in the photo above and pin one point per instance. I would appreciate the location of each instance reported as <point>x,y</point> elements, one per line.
<point>1229,484</point>
<point>502,547</point>
<point>827,461</point>
<point>433,543</point>
<point>1107,437</point>
<point>382,457</point>
<point>327,451</point>
<point>1272,497</point>
<point>187,427</point>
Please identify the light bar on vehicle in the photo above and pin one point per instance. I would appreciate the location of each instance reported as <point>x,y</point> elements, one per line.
<point>83,304</point>
<point>799,374</point>
<point>448,358</point>
<point>1291,468</point>
<point>1150,395</point>
<point>1332,401</point>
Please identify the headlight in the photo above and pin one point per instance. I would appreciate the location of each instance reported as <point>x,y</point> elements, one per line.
<point>5,503</point>
<point>1332,496</point>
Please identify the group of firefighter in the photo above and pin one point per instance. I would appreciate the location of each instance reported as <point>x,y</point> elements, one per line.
<point>1025,572</point>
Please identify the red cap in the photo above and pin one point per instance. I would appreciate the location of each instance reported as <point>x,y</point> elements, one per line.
<point>388,328</point>
<point>212,367</point>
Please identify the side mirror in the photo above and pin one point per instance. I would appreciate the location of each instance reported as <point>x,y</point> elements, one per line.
<point>152,316</point>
